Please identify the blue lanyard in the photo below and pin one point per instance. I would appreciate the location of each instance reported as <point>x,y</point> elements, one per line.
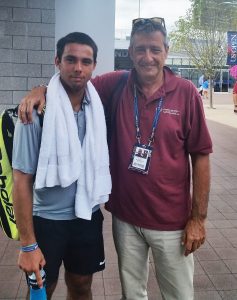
<point>155,120</point>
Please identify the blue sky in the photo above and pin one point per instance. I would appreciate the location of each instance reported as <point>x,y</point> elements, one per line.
<point>127,10</point>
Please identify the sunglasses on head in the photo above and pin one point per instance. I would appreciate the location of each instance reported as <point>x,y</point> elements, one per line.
<point>143,21</point>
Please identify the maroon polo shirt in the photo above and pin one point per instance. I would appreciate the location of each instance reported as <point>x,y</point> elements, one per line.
<point>160,200</point>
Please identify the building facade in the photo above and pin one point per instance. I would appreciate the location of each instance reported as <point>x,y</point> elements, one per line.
<point>29,30</point>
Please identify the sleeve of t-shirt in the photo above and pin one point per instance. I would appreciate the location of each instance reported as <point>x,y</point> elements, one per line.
<point>26,145</point>
<point>106,84</point>
<point>198,140</point>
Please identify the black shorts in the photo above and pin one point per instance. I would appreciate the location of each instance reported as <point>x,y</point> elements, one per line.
<point>77,243</point>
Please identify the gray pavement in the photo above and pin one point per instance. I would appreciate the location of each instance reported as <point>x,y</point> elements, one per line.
<point>215,262</point>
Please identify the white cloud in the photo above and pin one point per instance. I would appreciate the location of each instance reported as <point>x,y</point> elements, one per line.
<point>127,10</point>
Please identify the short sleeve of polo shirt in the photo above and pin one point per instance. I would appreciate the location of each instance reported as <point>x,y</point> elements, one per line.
<point>26,145</point>
<point>106,84</point>
<point>198,140</point>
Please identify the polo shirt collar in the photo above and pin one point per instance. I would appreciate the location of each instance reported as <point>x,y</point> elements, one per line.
<point>86,100</point>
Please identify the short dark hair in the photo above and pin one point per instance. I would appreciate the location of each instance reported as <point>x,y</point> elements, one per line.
<point>148,26</point>
<point>77,38</point>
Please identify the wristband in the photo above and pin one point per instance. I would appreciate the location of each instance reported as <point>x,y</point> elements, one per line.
<point>41,85</point>
<point>29,248</point>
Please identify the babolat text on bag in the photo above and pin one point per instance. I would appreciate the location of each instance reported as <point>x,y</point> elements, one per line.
<point>7,217</point>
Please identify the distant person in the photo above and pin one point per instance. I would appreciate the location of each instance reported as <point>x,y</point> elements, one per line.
<point>151,204</point>
<point>235,96</point>
<point>205,87</point>
<point>200,82</point>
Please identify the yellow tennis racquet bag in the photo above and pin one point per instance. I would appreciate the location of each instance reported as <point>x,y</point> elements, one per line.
<point>7,217</point>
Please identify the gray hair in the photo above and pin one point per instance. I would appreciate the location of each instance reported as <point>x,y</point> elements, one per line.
<point>149,27</point>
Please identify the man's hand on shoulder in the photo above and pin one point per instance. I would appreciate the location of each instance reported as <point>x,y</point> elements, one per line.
<point>36,97</point>
<point>194,235</point>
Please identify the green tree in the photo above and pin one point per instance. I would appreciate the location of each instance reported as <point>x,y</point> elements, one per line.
<point>202,34</point>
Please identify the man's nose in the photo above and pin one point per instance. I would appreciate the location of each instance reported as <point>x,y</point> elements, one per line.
<point>148,55</point>
<point>78,66</point>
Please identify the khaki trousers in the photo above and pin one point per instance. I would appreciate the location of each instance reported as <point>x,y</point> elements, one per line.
<point>174,271</point>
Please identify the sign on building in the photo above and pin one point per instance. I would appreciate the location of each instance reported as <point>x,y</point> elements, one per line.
<point>232,48</point>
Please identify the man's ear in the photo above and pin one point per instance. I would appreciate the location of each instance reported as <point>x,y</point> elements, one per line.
<point>56,61</point>
<point>167,48</point>
<point>130,52</point>
<point>95,63</point>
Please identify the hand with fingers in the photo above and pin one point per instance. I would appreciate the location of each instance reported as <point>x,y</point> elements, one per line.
<point>32,262</point>
<point>35,98</point>
<point>194,235</point>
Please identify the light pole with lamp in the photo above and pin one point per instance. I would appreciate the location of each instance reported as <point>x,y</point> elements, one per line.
<point>139,8</point>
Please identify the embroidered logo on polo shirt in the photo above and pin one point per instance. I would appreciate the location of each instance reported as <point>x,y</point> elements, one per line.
<point>171,111</point>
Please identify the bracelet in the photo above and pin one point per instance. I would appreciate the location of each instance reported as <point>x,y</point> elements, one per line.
<point>46,87</point>
<point>29,248</point>
<point>42,85</point>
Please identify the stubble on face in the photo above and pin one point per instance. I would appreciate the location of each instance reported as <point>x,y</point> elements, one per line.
<point>76,67</point>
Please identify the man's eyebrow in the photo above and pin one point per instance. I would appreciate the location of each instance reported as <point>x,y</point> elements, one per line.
<point>70,56</point>
<point>75,57</point>
<point>87,59</point>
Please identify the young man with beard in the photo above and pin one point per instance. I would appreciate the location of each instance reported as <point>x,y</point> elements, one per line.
<point>58,213</point>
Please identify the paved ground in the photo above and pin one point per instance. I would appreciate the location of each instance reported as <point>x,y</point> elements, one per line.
<point>215,263</point>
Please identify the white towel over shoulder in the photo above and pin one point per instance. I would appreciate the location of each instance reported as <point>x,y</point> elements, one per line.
<point>62,159</point>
